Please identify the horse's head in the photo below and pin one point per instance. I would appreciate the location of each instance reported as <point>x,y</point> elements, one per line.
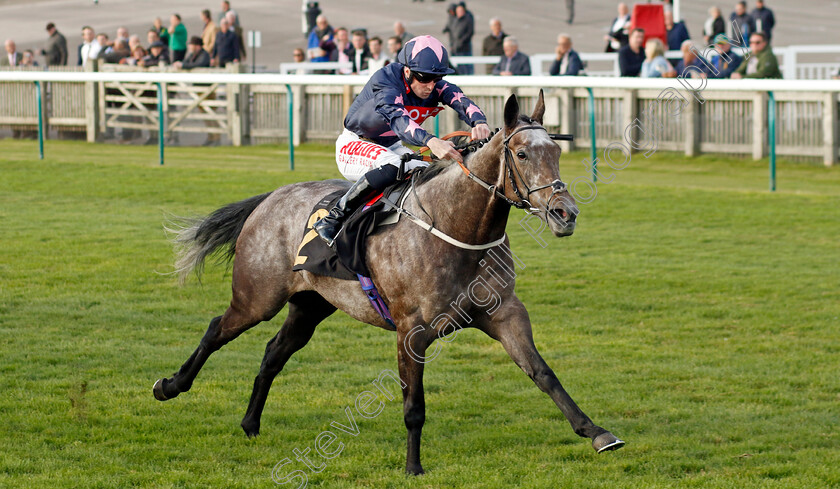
<point>531,159</point>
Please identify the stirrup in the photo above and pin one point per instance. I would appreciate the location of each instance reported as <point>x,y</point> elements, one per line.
<point>323,230</point>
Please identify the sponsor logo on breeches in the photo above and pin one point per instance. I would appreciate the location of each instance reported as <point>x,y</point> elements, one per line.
<point>360,153</point>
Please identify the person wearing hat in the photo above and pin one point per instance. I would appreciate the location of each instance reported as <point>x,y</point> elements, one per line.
<point>725,62</point>
<point>56,48</point>
<point>196,56</point>
<point>386,115</point>
<point>156,56</point>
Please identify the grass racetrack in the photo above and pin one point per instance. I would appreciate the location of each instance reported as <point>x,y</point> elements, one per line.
<point>693,313</point>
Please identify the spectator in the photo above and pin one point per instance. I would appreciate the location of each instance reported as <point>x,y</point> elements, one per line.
<point>233,21</point>
<point>359,53</point>
<point>196,56</point>
<point>122,33</point>
<point>741,18</point>
<point>226,49</point>
<point>399,30</point>
<point>311,13</point>
<point>338,49</point>
<point>690,60</point>
<point>762,20</point>
<point>117,53</point>
<point>566,62</point>
<point>677,32</point>
<point>322,32</point>
<point>762,62</point>
<point>177,38</point>
<point>156,56</point>
<point>133,42</point>
<point>299,56</point>
<point>56,49</point>
<point>570,11</point>
<point>492,45</point>
<point>89,48</point>
<point>223,14</point>
<point>394,46</point>
<point>714,25</point>
<point>512,62</point>
<point>208,34</point>
<point>618,36</point>
<point>152,37</point>
<point>655,65</point>
<point>461,29</point>
<point>725,61</point>
<point>137,54</point>
<point>162,32</point>
<point>28,59</point>
<point>631,56</point>
<point>105,44</point>
<point>377,57</point>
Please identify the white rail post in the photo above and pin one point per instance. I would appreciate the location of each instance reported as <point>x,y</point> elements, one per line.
<point>759,143</point>
<point>830,139</point>
<point>91,105</point>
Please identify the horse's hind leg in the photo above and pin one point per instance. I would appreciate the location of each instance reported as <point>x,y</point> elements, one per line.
<point>306,311</point>
<point>247,309</point>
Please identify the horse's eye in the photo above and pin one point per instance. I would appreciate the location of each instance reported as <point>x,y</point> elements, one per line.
<point>521,155</point>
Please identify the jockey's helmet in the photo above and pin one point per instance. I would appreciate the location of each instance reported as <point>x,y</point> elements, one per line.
<point>425,54</point>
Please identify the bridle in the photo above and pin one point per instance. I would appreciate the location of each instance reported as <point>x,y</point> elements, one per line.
<point>511,169</point>
<point>522,203</point>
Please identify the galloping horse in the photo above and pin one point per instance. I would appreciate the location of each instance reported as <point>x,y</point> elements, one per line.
<point>417,273</point>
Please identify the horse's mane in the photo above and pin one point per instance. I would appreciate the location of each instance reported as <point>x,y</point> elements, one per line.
<point>439,166</point>
<point>434,169</point>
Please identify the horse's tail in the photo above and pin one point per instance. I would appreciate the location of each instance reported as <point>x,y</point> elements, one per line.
<point>196,239</point>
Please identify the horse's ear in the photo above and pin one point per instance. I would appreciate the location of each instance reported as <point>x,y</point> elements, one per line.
<point>539,110</point>
<point>511,112</point>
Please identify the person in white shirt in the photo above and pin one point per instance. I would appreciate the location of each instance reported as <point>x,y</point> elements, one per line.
<point>619,30</point>
<point>377,59</point>
<point>90,48</point>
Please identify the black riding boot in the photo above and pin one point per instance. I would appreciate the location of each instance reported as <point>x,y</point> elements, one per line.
<point>329,226</point>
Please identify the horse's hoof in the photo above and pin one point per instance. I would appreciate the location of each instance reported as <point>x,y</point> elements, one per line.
<point>415,470</point>
<point>250,431</point>
<point>606,442</point>
<point>157,389</point>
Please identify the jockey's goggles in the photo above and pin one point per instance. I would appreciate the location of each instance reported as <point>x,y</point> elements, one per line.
<point>426,77</point>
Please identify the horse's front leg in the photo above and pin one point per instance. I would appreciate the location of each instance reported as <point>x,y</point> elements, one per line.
<point>410,353</point>
<point>512,327</point>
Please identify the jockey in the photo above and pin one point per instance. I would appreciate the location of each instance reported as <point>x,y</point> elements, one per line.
<point>388,112</point>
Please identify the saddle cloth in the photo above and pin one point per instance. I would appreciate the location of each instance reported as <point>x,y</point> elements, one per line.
<point>347,259</point>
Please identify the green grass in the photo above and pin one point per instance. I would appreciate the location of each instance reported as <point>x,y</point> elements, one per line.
<point>693,313</point>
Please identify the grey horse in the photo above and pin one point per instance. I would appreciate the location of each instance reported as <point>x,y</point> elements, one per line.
<point>423,280</point>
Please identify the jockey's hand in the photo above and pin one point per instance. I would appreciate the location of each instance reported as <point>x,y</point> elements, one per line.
<point>480,131</point>
<point>444,149</point>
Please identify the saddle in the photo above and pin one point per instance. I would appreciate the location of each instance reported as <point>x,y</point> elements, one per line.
<point>346,260</point>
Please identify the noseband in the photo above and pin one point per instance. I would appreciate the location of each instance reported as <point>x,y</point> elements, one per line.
<point>511,168</point>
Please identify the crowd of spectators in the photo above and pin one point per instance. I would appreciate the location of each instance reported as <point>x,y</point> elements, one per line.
<point>638,55</point>
<point>723,62</point>
<point>220,43</point>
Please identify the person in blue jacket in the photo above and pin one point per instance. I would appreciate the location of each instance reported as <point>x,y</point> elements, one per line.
<point>387,113</point>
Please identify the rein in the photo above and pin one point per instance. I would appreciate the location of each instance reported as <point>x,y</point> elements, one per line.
<point>523,202</point>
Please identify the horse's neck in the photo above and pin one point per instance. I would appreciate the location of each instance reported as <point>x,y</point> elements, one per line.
<point>462,208</point>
